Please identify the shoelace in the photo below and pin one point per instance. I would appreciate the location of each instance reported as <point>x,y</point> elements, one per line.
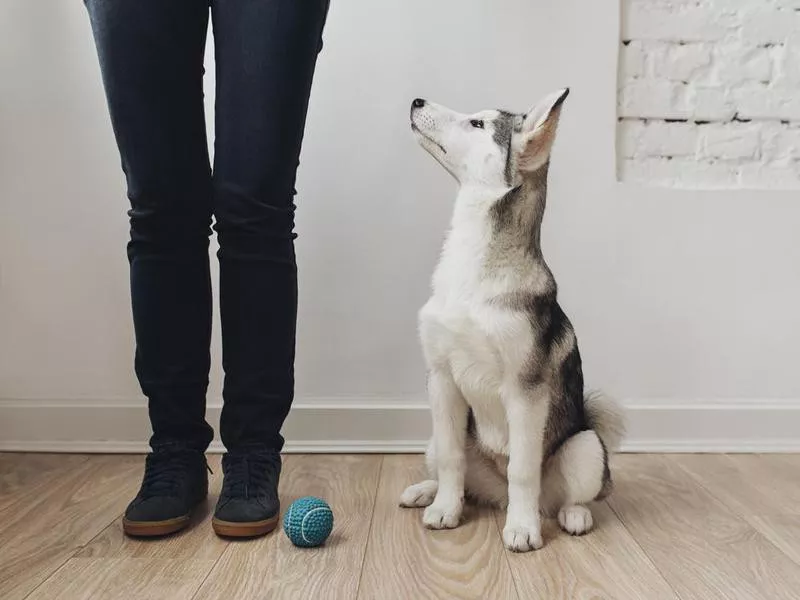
<point>164,471</point>
<point>250,475</point>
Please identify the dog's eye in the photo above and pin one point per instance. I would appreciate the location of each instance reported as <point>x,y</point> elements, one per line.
<point>476,124</point>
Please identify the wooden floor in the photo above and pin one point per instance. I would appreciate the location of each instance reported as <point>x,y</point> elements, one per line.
<point>677,526</point>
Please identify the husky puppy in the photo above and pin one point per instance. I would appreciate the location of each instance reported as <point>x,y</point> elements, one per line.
<point>512,426</point>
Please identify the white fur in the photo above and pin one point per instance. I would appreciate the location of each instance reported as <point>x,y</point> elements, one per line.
<point>574,474</point>
<point>420,494</point>
<point>471,347</point>
<point>476,350</point>
<point>605,416</point>
<point>576,520</point>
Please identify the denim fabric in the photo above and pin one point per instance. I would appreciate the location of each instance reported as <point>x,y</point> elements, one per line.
<point>151,57</point>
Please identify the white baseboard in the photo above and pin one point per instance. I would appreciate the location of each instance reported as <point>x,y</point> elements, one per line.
<point>397,425</point>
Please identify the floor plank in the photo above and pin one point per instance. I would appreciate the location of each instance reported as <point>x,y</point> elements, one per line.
<point>748,483</point>
<point>40,532</point>
<point>781,530</point>
<point>272,568</point>
<point>605,564</point>
<point>763,489</point>
<point>20,472</point>
<point>124,579</point>
<point>405,560</point>
<point>198,542</point>
<point>703,549</point>
<point>704,527</point>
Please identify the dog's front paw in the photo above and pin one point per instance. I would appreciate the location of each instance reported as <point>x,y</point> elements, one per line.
<point>441,516</point>
<point>419,495</point>
<point>522,537</point>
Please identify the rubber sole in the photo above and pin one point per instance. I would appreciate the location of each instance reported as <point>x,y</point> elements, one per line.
<point>155,528</point>
<point>244,530</point>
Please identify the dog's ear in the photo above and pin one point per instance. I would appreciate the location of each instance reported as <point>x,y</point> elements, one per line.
<point>539,131</point>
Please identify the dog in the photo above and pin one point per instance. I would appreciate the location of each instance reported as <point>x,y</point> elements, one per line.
<point>512,425</point>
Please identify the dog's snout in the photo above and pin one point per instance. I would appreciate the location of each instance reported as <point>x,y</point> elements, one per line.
<point>418,103</point>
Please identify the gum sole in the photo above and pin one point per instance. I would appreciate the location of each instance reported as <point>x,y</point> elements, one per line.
<point>244,530</point>
<point>154,528</point>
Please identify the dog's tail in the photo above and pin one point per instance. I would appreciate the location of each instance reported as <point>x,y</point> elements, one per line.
<point>606,417</point>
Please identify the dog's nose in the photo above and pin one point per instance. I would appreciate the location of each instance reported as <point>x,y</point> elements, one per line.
<point>418,103</point>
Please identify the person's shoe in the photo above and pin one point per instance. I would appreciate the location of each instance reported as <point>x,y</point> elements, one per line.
<point>248,505</point>
<point>175,482</point>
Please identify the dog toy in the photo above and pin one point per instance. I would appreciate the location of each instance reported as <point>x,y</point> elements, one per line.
<point>308,522</point>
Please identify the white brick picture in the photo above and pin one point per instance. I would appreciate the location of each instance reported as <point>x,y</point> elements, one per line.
<point>709,93</point>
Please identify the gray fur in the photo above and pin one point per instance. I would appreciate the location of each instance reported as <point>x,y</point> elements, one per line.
<point>566,416</point>
<point>517,220</point>
<point>564,432</point>
<point>554,364</point>
<point>606,418</point>
<point>555,361</point>
<point>503,211</point>
<point>504,126</point>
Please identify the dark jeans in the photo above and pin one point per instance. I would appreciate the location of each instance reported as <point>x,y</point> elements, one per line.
<point>151,57</point>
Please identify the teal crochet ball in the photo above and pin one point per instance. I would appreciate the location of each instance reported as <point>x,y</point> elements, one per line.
<point>308,522</point>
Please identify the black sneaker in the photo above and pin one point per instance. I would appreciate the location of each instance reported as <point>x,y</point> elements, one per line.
<point>248,505</point>
<point>175,482</point>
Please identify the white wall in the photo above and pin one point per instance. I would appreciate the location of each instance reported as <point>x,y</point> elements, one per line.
<point>678,296</point>
<point>710,93</point>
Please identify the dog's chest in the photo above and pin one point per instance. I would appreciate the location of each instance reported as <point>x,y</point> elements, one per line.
<point>480,345</point>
